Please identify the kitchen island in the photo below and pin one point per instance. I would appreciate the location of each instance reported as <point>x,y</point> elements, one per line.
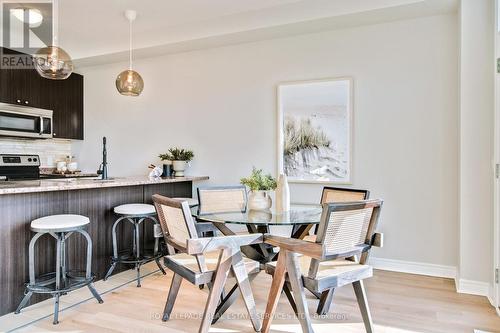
<point>23,201</point>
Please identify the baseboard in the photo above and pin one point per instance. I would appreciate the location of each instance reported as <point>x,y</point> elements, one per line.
<point>463,286</point>
<point>473,287</point>
<point>413,267</point>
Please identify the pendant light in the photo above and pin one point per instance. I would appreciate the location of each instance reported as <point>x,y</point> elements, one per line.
<point>129,82</point>
<point>52,62</point>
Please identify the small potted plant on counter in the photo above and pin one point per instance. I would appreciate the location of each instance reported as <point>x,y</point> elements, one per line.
<point>260,185</point>
<point>179,159</point>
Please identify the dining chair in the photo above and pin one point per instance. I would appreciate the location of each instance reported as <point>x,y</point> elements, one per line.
<point>205,261</point>
<point>221,199</point>
<point>336,194</point>
<point>332,195</point>
<point>337,258</point>
<point>340,194</point>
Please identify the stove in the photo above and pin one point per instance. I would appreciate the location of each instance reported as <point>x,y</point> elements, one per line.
<point>19,167</point>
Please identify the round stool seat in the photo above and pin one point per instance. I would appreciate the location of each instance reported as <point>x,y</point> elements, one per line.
<point>59,223</point>
<point>135,209</point>
<point>191,202</point>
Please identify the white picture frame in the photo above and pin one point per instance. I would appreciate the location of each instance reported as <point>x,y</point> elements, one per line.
<point>321,111</point>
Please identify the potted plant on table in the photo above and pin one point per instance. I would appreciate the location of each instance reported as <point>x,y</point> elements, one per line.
<point>260,185</point>
<point>179,159</point>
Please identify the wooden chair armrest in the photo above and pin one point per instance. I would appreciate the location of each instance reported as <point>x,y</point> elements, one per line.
<point>209,244</point>
<point>310,249</point>
<point>378,239</point>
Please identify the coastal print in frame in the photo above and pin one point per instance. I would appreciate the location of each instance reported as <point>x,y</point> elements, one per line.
<point>315,131</point>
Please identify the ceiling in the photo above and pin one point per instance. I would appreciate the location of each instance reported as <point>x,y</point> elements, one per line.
<point>96,31</point>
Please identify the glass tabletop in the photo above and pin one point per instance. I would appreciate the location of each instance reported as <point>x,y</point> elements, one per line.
<point>297,215</point>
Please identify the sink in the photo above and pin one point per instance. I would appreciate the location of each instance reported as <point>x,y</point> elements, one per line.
<point>80,180</point>
<point>109,180</point>
<point>61,180</point>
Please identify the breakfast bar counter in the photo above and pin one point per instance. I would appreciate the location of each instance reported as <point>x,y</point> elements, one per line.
<point>24,201</point>
<point>65,184</point>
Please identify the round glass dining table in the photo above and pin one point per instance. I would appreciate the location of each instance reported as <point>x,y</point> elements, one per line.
<point>301,217</point>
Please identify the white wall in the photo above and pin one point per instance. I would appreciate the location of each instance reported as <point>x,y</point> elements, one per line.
<point>221,103</point>
<point>476,139</point>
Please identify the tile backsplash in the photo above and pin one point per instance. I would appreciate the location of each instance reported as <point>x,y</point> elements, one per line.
<point>50,150</point>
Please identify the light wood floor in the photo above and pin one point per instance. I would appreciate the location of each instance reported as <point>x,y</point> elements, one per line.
<point>399,303</point>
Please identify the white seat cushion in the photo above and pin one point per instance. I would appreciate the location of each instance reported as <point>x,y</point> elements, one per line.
<point>135,209</point>
<point>191,202</point>
<point>59,222</point>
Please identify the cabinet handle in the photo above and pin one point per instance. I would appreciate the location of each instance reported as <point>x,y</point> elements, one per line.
<point>19,101</point>
<point>26,102</point>
<point>54,134</point>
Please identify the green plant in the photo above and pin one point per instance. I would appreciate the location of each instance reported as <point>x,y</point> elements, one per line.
<point>303,136</point>
<point>165,157</point>
<point>258,181</point>
<point>176,154</point>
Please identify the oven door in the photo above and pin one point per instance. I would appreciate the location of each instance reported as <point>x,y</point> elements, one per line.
<point>25,122</point>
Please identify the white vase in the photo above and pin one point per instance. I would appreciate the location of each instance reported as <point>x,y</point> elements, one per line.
<point>259,200</point>
<point>282,194</point>
<point>260,215</point>
<point>179,167</point>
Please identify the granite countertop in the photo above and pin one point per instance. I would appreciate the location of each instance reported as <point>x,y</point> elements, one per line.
<point>47,185</point>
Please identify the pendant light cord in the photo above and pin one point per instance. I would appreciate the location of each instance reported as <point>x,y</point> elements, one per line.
<point>55,22</point>
<point>130,44</point>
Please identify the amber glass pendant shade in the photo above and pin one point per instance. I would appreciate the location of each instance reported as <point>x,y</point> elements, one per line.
<point>129,83</point>
<point>53,63</point>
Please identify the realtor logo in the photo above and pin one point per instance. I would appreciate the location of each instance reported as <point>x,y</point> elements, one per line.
<point>26,27</point>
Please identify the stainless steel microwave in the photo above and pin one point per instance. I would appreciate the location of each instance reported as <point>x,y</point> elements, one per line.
<point>25,122</point>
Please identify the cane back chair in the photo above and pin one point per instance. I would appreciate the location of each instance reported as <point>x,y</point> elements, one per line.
<point>205,261</point>
<point>337,258</point>
<point>339,194</point>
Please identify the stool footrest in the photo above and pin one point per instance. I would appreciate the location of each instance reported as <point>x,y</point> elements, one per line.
<point>130,258</point>
<point>46,283</point>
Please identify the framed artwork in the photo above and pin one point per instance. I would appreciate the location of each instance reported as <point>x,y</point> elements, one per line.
<point>315,121</point>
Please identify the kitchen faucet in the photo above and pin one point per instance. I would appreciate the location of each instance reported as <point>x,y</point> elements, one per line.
<point>103,168</point>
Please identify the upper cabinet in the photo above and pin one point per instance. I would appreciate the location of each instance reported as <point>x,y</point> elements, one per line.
<point>63,97</point>
<point>66,97</point>
<point>17,88</point>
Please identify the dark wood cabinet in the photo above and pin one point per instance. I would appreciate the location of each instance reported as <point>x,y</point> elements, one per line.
<point>67,104</point>
<point>63,97</point>
<point>19,87</point>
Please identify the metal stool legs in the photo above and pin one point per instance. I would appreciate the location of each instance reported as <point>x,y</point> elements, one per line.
<point>68,283</point>
<point>31,260</point>
<point>138,260</point>
<point>88,274</point>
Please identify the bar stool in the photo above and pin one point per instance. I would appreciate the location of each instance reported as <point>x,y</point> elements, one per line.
<point>60,227</point>
<point>136,214</point>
